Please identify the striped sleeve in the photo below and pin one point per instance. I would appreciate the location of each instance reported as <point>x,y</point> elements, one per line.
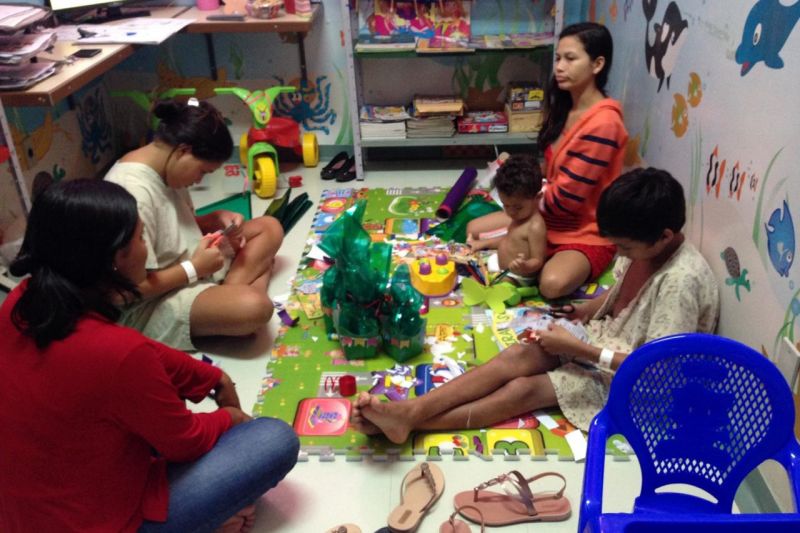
<point>581,173</point>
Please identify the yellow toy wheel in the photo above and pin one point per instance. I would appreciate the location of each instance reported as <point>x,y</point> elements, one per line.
<point>265,177</point>
<point>310,150</point>
<point>243,150</point>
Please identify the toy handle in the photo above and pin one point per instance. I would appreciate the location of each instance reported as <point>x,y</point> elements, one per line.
<point>172,93</point>
<point>242,94</point>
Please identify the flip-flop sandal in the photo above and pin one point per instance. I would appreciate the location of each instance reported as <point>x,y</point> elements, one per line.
<point>421,487</point>
<point>518,505</point>
<point>454,525</point>
<point>345,528</point>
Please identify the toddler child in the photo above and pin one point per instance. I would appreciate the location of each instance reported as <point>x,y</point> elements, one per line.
<point>522,249</point>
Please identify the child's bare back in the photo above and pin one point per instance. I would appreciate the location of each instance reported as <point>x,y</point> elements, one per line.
<point>523,248</point>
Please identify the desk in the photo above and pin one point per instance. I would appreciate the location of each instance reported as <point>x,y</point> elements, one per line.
<point>76,75</point>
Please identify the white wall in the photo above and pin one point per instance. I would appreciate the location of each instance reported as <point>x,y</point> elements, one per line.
<point>749,122</point>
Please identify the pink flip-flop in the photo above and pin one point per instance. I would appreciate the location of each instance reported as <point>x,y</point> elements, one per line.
<point>517,506</point>
<point>345,528</point>
<point>454,525</point>
<point>421,487</point>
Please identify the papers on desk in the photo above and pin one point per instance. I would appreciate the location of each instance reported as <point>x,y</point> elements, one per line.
<point>142,30</point>
<point>15,17</point>
<point>26,74</point>
<point>14,49</point>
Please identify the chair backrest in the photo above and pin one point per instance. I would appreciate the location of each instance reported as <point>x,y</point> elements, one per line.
<point>700,410</point>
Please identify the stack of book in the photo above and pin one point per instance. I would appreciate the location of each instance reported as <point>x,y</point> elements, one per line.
<point>511,40</point>
<point>383,122</point>
<point>14,49</point>
<point>17,70</point>
<point>395,43</point>
<point>16,17</point>
<point>434,116</point>
<point>25,74</point>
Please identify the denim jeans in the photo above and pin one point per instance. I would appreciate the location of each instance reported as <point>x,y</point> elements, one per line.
<point>246,462</point>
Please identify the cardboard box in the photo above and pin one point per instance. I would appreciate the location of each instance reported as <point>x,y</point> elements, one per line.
<point>483,122</point>
<point>525,96</point>
<point>523,121</point>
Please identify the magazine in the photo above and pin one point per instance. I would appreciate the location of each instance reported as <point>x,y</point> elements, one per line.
<point>513,325</point>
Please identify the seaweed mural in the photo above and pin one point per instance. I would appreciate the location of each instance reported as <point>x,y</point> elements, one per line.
<point>309,106</point>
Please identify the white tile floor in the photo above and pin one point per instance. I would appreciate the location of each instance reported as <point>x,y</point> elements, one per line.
<point>319,495</point>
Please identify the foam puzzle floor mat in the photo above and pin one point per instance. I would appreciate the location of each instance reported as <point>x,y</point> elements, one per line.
<point>301,385</point>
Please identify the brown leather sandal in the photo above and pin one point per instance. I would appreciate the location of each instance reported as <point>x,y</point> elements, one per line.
<point>517,506</point>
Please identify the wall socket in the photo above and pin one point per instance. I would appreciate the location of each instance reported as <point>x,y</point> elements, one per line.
<point>787,359</point>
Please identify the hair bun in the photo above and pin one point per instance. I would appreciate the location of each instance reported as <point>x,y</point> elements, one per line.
<point>168,110</point>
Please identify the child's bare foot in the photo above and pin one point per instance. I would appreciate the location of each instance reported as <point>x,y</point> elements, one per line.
<point>390,418</point>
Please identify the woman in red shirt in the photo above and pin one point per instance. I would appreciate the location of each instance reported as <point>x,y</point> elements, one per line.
<point>583,139</point>
<point>95,433</point>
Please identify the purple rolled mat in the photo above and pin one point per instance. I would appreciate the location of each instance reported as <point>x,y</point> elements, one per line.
<point>457,194</point>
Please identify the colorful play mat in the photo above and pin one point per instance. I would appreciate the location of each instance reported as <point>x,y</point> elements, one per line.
<point>302,382</point>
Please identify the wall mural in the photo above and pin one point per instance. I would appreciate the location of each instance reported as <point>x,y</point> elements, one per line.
<point>766,30</point>
<point>780,239</point>
<point>95,127</point>
<point>669,36</point>
<point>738,275</point>
<point>310,106</point>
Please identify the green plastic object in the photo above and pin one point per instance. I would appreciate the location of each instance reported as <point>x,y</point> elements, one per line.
<point>402,326</point>
<point>455,228</point>
<point>238,203</point>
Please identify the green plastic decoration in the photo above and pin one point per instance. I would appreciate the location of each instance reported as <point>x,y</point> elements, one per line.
<point>494,296</point>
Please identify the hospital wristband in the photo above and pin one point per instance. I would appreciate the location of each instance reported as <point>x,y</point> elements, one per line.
<point>606,357</point>
<point>191,272</point>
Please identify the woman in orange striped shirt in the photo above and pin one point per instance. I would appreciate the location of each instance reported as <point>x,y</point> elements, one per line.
<point>583,139</point>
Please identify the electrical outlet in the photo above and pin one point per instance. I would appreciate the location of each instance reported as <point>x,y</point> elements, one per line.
<point>787,359</point>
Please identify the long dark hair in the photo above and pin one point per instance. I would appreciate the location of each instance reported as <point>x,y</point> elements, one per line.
<point>74,230</point>
<point>597,42</point>
<point>200,127</point>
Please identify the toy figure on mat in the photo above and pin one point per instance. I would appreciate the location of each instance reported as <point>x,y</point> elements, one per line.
<point>664,286</point>
<point>522,249</point>
<point>583,140</point>
<point>189,290</point>
<point>96,433</point>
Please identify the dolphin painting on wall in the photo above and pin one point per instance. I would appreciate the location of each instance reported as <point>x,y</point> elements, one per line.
<point>768,26</point>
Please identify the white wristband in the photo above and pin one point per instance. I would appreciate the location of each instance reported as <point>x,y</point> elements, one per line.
<point>606,357</point>
<point>191,272</point>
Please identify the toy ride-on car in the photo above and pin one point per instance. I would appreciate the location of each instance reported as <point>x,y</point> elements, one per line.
<point>257,147</point>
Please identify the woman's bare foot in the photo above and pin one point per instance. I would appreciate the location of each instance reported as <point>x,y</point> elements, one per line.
<point>390,418</point>
<point>357,420</point>
<point>241,522</point>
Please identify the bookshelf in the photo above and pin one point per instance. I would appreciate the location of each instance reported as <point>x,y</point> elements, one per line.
<point>364,69</point>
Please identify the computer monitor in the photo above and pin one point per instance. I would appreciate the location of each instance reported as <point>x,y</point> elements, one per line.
<point>106,10</point>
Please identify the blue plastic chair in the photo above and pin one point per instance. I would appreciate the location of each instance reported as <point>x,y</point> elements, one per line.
<point>700,410</point>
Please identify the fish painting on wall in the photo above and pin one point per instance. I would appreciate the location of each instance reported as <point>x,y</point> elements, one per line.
<point>781,239</point>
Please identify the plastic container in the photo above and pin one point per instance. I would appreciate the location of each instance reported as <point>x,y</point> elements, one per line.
<point>264,9</point>
<point>207,5</point>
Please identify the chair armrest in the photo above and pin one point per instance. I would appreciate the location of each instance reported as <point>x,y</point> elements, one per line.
<point>592,494</point>
<point>790,459</point>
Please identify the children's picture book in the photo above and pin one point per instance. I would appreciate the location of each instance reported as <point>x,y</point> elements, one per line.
<point>396,43</point>
<point>443,45</point>
<point>387,19</point>
<point>384,113</point>
<point>517,323</point>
